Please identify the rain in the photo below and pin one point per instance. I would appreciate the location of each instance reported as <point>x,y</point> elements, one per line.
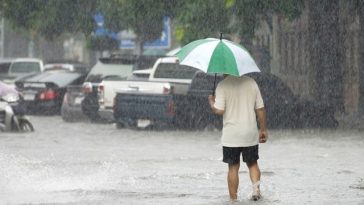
<point>97,105</point>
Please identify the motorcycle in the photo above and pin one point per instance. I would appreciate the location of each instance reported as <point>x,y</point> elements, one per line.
<point>12,112</point>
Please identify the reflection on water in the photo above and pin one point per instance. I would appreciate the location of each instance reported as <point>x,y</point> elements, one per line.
<point>83,163</point>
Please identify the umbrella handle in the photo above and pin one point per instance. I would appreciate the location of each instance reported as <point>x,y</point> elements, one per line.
<point>213,89</point>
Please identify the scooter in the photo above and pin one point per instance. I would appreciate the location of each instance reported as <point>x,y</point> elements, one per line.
<point>12,114</point>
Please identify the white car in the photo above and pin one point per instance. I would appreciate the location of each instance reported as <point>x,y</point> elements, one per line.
<point>15,69</point>
<point>23,66</point>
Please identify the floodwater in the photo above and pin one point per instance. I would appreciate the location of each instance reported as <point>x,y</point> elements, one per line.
<point>83,163</point>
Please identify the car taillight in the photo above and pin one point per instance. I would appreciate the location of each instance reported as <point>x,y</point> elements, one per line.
<point>100,93</point>
<point>171,108</point>
<point>48,95</point>
<point>87,88</point>
<point>167,89</point>
<point>101,88</point>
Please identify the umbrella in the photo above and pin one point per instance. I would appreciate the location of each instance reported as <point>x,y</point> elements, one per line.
<point>212,55</point>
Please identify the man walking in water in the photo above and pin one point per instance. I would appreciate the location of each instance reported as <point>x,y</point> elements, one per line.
<point>239,101</point>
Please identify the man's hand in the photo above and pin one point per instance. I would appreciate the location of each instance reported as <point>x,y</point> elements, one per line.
<point>263,136</point>
<point>211,100</point>
<point>262,118</point>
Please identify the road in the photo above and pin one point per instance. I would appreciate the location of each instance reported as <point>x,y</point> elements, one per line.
<point>84,163</point>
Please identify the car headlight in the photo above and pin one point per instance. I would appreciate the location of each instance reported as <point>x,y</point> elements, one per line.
<point>10,98</point>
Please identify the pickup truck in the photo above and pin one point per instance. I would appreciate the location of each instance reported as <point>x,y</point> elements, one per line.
<point>118,67</point>
<point>165,73</point>
<point>175,104</point>
<point>108,87</point>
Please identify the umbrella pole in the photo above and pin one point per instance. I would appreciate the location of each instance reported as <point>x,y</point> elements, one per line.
<point>213,89</point>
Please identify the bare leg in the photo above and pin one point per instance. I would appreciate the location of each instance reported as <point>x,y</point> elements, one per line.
<point>233,181</point>
<point>254,172</point>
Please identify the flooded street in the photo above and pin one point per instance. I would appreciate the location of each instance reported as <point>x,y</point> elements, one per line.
<point>83,163</point>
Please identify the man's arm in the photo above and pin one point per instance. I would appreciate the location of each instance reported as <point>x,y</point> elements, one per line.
<point>213,108</point>
<point>262,119</point>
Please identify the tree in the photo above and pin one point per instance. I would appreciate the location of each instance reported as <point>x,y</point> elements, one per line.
<point>248,14</point>
<point>201,19</point>
<point>143,17</point>
<point>207,18</point>
<point>51,18</point>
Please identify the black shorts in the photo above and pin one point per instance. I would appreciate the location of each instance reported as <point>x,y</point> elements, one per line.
<point>231,155</point>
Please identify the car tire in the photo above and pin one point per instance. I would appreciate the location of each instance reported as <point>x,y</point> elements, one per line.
<point>119,125</point>
<point>25,126</point>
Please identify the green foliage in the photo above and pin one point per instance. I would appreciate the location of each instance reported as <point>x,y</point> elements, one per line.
<point>201,19</point>
<point>144,17</point>
<point>194,19</point>
<point>206,18</point>
<point>250,12</point>
<point>51,18</point>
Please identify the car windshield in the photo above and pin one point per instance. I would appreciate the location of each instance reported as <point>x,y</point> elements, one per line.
<point>174,70</point>
<point>24,67</point>
<point>138,76</point>
<point>103,71</point>
<point>204,81</point>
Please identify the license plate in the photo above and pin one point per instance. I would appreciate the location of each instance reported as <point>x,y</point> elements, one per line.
<point>78,100</point>
<point>143,123</point>
<point>29,96</point>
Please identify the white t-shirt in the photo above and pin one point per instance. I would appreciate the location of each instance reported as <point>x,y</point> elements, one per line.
<point>239,97</point>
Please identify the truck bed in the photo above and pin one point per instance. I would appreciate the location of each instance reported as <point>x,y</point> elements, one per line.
<point>153,107</point>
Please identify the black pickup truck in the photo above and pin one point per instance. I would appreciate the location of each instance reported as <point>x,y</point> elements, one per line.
<point>191,109</point>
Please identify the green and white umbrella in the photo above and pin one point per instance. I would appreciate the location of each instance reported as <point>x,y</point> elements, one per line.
<point>214,55</point>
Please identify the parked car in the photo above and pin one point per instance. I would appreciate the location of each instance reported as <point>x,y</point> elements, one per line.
<point>162,72</point>
<point>44,92</point>
<point>190,108</point>
<point>118,67</point>
<point>23,66</point>
<point>20,68</point>
<point>4,68</point>
<point>155,101</point>
<point>287,110</point>
<point>71,107</point>
<point>71,110</point>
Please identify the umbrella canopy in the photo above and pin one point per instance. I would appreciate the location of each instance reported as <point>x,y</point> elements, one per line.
<point>214,55</point>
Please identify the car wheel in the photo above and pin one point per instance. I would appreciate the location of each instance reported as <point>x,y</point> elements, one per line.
<point>25,126</point>
<point>119,125</point>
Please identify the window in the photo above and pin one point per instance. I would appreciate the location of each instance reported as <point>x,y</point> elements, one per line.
<point>24,67</point>
<point>174,70</point>
<point>106,71</point>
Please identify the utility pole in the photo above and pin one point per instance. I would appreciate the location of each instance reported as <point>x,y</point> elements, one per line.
<point>2,36</point>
